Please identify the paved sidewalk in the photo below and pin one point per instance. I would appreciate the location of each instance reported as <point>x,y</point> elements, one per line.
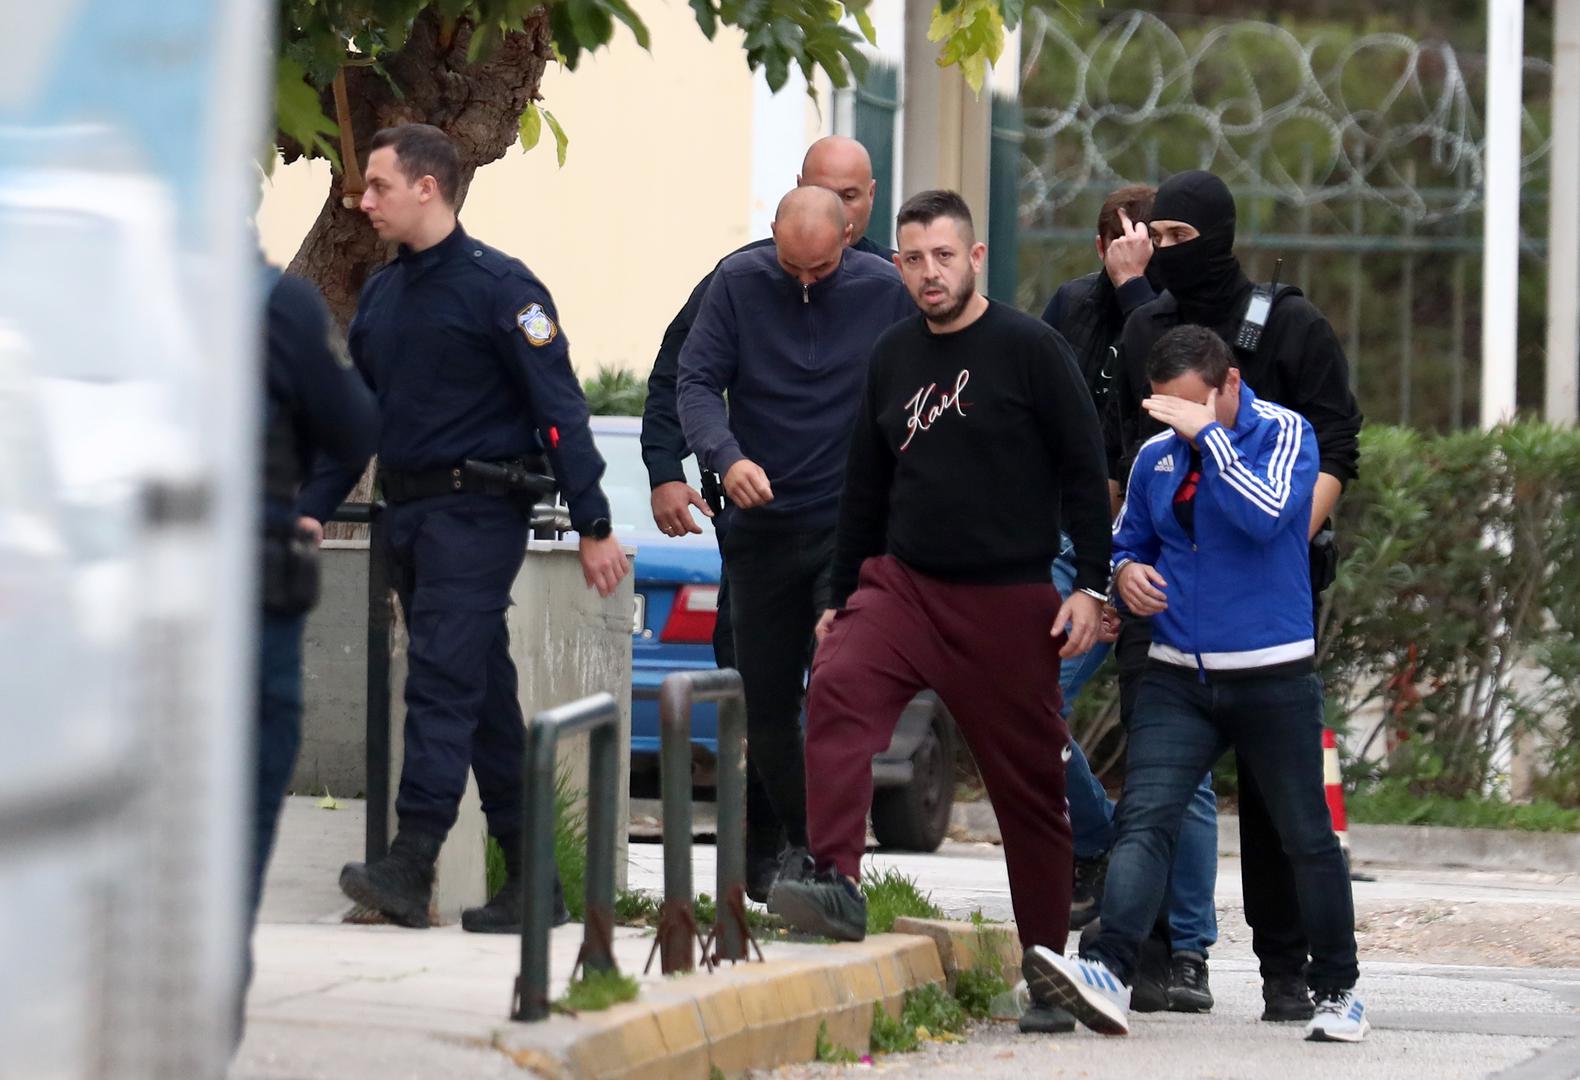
<point>331,1000</point>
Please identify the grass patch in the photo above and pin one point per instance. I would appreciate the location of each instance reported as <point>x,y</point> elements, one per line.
<point>831,1054</point>
<point>570,848</point>
<point>597,990</point>
<point>891,895</point>
<point>1392,803</point>
<point>929,1011</point>
<point>635,909</point>
<point>976,988</point>
<point>759,922</point>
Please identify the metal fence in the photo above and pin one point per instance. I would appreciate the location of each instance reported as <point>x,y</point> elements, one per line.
<point>1355,158</point>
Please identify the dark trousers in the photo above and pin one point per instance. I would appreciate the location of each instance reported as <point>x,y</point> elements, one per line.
<point>778,588</point>
<point>277,736</point>
<point>764,835</point>
<point>987,651</point>
<point>453,560</point>
<point>1181,726</point>
<point>1267,880</point>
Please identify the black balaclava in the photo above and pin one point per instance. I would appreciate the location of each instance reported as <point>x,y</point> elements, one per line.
<point>1202,274</point>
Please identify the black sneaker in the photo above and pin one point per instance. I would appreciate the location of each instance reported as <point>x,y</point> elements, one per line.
<point>795,864</point>
<point>1086,899</point>
<point>1187,989</point>
<point>1285,999</point>
<point>1046,1020</point>
<point>1149,981</point>
<point>826,904</point>
<point>763,850</point>
<point>760,877</point>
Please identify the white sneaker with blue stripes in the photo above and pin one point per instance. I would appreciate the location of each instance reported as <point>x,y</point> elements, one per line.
<point>1340,1017</point>
<point>1085,988</point>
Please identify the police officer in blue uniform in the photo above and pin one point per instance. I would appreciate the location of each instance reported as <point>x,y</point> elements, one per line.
<point>316,411</point>
<point>463,347</point>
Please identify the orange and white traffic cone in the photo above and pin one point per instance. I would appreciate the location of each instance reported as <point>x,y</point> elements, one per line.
<point>1333,781</point>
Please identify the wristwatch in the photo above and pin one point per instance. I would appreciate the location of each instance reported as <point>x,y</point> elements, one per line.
<point>599,529</point>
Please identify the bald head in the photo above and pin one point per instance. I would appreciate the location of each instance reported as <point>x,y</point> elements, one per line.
<point>843,166</point>
<point>810,233</point>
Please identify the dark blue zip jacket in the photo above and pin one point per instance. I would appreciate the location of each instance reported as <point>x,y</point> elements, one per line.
<point>1239,590</point>
<point>793,360</point>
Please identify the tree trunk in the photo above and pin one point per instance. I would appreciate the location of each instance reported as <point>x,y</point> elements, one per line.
<point>478,105</point>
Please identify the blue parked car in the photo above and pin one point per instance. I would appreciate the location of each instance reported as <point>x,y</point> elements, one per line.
<point>676,606</point>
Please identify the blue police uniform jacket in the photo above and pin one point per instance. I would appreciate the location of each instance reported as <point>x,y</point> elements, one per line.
<point>463,347</point>
<point>1239,590</point>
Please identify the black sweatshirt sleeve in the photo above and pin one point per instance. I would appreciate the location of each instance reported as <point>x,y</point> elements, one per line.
<point>864,504</point>
<point>1122,424</point>
<point>1070,427</point>
<point>1323,396</point>
<point>664,448</point>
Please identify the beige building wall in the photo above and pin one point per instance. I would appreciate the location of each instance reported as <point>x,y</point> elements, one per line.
<point>656,186</point>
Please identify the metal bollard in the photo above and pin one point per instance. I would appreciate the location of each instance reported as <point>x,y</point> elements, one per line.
<point>599,715</point>
<point>677,927</point>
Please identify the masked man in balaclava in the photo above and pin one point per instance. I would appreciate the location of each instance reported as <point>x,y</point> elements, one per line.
<point>1299,364</point>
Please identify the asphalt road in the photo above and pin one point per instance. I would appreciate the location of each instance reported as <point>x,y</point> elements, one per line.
<point>1465,974</point>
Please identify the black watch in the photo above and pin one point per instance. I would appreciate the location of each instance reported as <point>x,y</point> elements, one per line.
<point>599,529</point>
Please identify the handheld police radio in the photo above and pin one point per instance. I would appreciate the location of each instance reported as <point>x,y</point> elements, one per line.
<point>1254,321</point>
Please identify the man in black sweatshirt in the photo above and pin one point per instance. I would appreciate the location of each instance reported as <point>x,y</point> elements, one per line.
<point>974,430</point>
<point>786,332</point>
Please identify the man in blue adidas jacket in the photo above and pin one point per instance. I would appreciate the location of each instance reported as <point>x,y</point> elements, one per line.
<point>1212,545</point>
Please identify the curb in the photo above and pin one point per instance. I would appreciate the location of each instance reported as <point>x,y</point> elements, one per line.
<point>750,1016</point>
<point>1428,847</point>
<point>966,945</point>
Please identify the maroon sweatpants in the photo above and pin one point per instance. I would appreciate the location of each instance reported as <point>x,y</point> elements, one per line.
<point>986,651</point>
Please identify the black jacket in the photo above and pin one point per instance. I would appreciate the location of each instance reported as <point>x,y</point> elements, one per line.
<point>1300,365</point>
<point>664,446</point>
<point>1090,313</point>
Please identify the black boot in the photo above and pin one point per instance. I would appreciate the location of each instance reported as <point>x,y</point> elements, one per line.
<point>400,885</point>
<point>503,912</point>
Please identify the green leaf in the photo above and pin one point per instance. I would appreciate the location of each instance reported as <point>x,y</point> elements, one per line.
<point>707,20</point>
<point>298,114</point>
<point>633,22</point>
<point>531,127</point>
<point>868,31</point>
<point>561,141</point>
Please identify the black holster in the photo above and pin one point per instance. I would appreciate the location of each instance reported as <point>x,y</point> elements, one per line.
<point>291,576</point>
<point>1324,560</point>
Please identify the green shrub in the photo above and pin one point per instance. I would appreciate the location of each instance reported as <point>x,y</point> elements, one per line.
<point>1393,802</point>
<point>615,392</point>
<point>930,1007</point>
<point>570,848</point>
<point>891,895</point>
<point>1460,552</point>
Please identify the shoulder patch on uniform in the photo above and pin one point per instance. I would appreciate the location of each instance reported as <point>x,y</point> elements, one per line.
<point>536,325</point>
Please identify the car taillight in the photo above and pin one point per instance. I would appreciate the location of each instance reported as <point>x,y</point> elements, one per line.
<point>692,616</point>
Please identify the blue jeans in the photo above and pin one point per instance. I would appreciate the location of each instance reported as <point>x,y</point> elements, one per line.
<point>1180,727</point>
<point>1193,920</point>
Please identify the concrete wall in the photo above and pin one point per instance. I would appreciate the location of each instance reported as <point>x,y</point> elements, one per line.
<point>334,676</point>
<point>566,642</point>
